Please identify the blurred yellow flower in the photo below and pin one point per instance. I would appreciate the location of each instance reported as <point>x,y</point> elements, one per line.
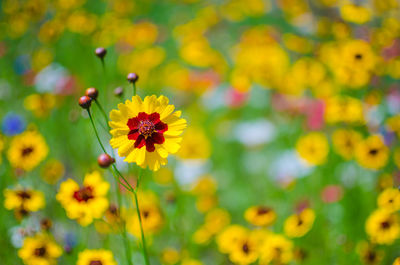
<point>313,147</point>
<point>299,224</point>
<point>40,104</point>
<point>276,249</point>
<point>260,215</point>
<point>39,250</point>
<point>345,142</point>
<point>52,171</point>
<point>389,199</point>
<point>383,227</point>
<point>23,201</point>
<point>372,153</point>
<point>229,237</point>
<point>355,13</point>
<point>170,256</point>
<point>343,109</point>
<point>96,256</point>
<point>195,145</point>
<point>27,150</point>
<point>87,202</point>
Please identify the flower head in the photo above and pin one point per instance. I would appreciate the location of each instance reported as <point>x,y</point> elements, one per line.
<point>85,202</point>
<point>39,250</point>
<point>146,131</point>
<point>96,257</point>
<point>23,201</point>
<point>27,150</point>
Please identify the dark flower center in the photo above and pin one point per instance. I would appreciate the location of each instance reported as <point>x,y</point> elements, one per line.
<point>246,248</point>
<point>95,262</point>
<point>40,252</point>
<point>385,225</point>
<point>146,130</point>
<point>358,56</point>
<point>299,222</point>
<point>27,151</point>
<point>371,256</point>
<point>84,194</point>
<point>146,214</point>
<point>373,151</point>
<point>263,210</point>
<point>23,194</point>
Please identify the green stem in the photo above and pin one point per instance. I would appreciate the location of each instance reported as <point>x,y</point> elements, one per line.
<point>123,232</point>
<point>134,88</point>
<point>95,131</point>
<point>103,112</point>
<point>144,248</point>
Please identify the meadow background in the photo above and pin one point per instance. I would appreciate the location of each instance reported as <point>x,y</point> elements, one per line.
<point>289,104</point>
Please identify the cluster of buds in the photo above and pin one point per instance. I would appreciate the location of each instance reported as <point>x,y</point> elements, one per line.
<point>86,100</point>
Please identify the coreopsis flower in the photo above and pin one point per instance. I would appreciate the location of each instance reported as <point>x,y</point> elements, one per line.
<point>146,131</point>
<point>39,250</point>
<point>111,221</point>
<point>343,109</point>
<point>389,199</point>
<point>151,215</point>
<point>355,13</point>
<point>229,237</point>
<point>299,224</point>
<point>344,142</point>
<point>52,171</point>
<point>369,255</point>
<point>245,250</point>
<point>27,150</point>
<point>96,257</point>
<point>195,145</point>
<point>87,202</point>
<point>276,249</point>
<point>313,148</point>
<point>396,261</point>
<point>383,227</point>
<point>170,256</point>
<point>23,201</point>
<point>260,215</point>
<point>372,153</point>
<point>40,104</point>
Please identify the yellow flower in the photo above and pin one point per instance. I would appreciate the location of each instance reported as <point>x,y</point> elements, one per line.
<point>40,104</point>
<point>195,145</point>
<point>23,201</point>
<point>111,221</point>
<point>145,132</point>
<point>96,257</point>
<point>276,249</point>
<point>245,250</point>
<point>368,254</point>
<point>27,150</point>
<point>354,13</point>
<point>372,153</point>
<point>389,199</point>
<point>396,261</point>
<point>87,202</point>
<point>357,54</point>
<point>345,141</point>
<point>383,227</point>
<point>343,109</point>
<point>206,185</point>
<point>298,225</point>
<point>260,215</point>
<point>52,171</point>
<point>313,148</point>
<point>191,262</point>
<point>393,124</point>
<point>150,212</point>
<point>229,237</point>
<point>39,250</point>
<point>216,220</point>
<point>170,256</point>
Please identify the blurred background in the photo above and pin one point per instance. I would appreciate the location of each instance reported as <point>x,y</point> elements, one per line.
<point>292,106</point>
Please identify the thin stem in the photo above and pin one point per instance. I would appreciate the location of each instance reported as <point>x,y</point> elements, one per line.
<point>103,112</point>
<point>134,88</point>
<point>144,248</point>
<point>95,131</point>
<point>123,232</point>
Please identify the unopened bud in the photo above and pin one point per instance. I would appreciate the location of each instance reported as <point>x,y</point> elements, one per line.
<point>104,160</point>
<point>85,102</point>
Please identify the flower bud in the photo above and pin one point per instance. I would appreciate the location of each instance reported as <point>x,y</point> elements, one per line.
<point>100,52</point>
<point>85,102</point>
<point>105,160</point>
<point>118,92</point>
<point>132,77</point>
<point>92,92</point>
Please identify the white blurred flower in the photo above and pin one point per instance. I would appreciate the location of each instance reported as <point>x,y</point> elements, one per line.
<point>253,133</point>
<point>289,165</point>
<point>188,171</point>
<point>50,78</point>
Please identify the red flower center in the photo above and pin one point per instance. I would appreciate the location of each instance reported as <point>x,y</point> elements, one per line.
<point>146,130</point>
<point>84,194</point>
